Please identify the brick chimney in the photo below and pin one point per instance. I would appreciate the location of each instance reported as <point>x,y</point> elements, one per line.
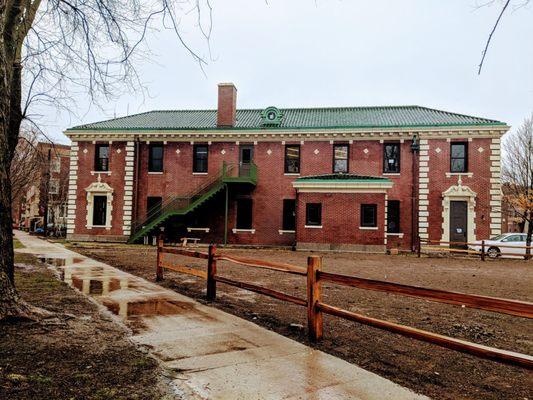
<point>227,105</point>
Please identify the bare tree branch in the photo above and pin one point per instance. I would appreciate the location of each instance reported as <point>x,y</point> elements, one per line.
<point>484,54</point>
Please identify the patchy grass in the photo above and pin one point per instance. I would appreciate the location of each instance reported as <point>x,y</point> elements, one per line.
<point>17,244</point>
<point>78,354</point>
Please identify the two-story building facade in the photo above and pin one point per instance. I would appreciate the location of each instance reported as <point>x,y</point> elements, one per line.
<point>353,178</point>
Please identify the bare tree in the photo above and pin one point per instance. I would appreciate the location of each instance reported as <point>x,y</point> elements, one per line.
<point>504,8</point>
<point>517,174</point>
<point>26,164</point>
<point>51,50</point>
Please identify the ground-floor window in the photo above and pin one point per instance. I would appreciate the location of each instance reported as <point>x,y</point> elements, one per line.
<point>369,215</point>
<point>289,214</point>
<point>244,214</point>
<point>153,206</point>
<point>99,210</point>
<point>313,214</point>
<point>393,216</point>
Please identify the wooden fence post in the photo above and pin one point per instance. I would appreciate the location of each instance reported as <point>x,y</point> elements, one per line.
<point>314,295</point>
<point>482,250</point>
<point>419,246</point>
<point>211,272</point>
<point>159,268</point>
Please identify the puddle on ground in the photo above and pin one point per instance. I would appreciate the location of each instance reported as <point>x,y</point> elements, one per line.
<point>149,307</point>
<point>100,286</point>
<point>101,281</point>
<point>60,262</point>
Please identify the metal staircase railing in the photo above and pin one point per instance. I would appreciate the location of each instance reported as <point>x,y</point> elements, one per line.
<point>184,203</point>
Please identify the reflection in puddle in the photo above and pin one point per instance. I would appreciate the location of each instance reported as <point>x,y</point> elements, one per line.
<point>134,308</point>
<point>60,262</point>
<point>96,286</point>
<point>100,281</point>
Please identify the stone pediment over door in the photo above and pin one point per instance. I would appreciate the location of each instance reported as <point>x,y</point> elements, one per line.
<point>459,193</point>
<point>99,188</point>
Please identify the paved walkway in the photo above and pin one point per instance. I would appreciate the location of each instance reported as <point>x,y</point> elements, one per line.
<point>214,355</point>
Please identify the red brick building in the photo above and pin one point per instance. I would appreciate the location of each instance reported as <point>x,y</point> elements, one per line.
<point>45,187</point>
<point>355,178</point>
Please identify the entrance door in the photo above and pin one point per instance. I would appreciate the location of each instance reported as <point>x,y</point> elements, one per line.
<point>458,222</point>
<point>245,160</point>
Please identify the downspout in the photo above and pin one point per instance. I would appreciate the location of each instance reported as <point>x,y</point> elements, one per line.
<point>226,207</point>
<point>415,147</point>
<point>295,222</point>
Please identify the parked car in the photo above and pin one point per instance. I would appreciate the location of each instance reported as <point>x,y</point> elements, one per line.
<point>512,243</point>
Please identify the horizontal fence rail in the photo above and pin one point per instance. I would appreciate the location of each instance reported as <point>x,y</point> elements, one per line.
<point>258,289</point>
<point>316,307</point>
<point>291,269</point>
<point>183,252</point>
<point>512,307</point>
<point>504,356</point>
<point>439,246</point>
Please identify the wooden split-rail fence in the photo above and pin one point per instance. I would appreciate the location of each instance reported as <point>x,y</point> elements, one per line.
<point>464,248</point>
<point>316,307</point>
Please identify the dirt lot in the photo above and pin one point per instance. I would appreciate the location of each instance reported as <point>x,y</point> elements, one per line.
<point>425,368</point>
<point>77,354</point>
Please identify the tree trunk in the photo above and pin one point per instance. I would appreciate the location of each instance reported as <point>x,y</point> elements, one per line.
<point>10,303</point>
<point>10,119</point>
<point>528,237</point>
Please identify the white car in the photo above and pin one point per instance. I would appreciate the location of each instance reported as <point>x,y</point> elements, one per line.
<point>507,243</point>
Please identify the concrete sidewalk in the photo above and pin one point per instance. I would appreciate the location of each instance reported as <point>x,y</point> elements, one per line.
<point>214,355</point>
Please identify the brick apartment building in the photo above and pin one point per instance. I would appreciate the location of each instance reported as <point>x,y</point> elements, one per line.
<point>354,178</point>
<point>45,197</point>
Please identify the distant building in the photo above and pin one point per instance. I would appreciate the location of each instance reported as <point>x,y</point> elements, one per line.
<point>353,178</point>
<point>46,197</point>
<point>513,218</point>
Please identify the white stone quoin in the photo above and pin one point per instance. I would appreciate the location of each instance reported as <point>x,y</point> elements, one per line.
<point>128,188</point>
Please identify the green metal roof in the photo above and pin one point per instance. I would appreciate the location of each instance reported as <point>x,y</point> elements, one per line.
<point>294,118</point>
<point>343,178</point>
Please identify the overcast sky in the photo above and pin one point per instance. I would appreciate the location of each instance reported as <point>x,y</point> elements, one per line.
<point>306,53</point>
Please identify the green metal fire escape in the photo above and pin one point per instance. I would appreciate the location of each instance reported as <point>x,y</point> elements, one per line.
<point>183,205</point>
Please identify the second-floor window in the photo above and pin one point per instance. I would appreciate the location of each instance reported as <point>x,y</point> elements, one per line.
<point>292,159</point>
<point>53,187</point>
<point>340,158</point>
<point>155,158</point>
<point>459,157</point>
<point>200,156</point>
<point>55,165</point>
<point>391,158</point>
<point>101,157</point>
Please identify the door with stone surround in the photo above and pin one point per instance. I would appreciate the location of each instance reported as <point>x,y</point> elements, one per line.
<point>458,222</point>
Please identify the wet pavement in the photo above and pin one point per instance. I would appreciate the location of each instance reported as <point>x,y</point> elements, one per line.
<point>208,353</point>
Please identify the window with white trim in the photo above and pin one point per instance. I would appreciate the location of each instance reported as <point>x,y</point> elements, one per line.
<point>244,213</point>
<point>369,215</point>
<point>313,214</point>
